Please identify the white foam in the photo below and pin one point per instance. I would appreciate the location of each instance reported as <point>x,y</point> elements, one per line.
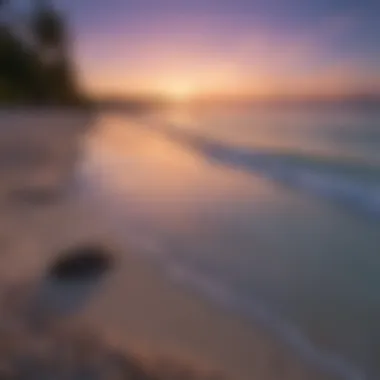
<point>321,180</point>
<point>218,291</point>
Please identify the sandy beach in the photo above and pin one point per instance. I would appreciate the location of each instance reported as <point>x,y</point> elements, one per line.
<point>137,306</point>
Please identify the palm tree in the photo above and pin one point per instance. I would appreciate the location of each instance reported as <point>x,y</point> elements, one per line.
<point>48,28</point>
<point>50,34</point>
<point>34,59</point>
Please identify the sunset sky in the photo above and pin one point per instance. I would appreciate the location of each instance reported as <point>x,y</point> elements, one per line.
<point>236,47</point>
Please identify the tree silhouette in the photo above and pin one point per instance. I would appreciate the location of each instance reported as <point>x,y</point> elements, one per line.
<point>39,71</point>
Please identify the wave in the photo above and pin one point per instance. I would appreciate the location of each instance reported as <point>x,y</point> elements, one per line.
<point>209,287</point>
<point>217,290</point>
<point>355,185</point>
<point>134,233</point>
<point>159,251</point>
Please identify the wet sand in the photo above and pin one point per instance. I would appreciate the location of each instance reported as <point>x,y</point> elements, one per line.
<point>137,305</point>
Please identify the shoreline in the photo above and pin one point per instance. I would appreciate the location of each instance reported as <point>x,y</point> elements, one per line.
<point>138,304</point>
<point>143,311</point>
<point>147,311</point>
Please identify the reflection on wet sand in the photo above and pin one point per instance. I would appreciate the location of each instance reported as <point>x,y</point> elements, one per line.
<point>147,314</point>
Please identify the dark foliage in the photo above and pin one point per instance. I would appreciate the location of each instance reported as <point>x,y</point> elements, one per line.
<point>36,70</point>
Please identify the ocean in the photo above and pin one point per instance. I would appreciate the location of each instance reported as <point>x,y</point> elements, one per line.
<point>269,212</point>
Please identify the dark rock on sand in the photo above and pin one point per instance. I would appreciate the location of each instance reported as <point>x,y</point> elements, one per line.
<point>81,263</point>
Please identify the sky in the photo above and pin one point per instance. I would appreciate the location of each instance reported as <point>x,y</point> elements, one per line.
<point>183,48</point>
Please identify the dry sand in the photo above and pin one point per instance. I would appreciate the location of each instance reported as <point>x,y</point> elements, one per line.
<point>137,305</point>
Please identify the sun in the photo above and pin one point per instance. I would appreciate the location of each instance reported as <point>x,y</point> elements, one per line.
<point>179,92</point>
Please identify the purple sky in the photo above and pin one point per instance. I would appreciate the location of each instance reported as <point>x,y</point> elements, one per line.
<point>259,47</point>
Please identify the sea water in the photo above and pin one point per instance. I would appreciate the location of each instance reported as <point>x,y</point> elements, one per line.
<point>270,212</point>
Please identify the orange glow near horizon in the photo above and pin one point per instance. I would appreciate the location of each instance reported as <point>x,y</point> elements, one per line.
<point>187,49</point>
<point>193,84</point>
<point>263,65</point>
<point>179,92</point>
<point>185,88</point>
